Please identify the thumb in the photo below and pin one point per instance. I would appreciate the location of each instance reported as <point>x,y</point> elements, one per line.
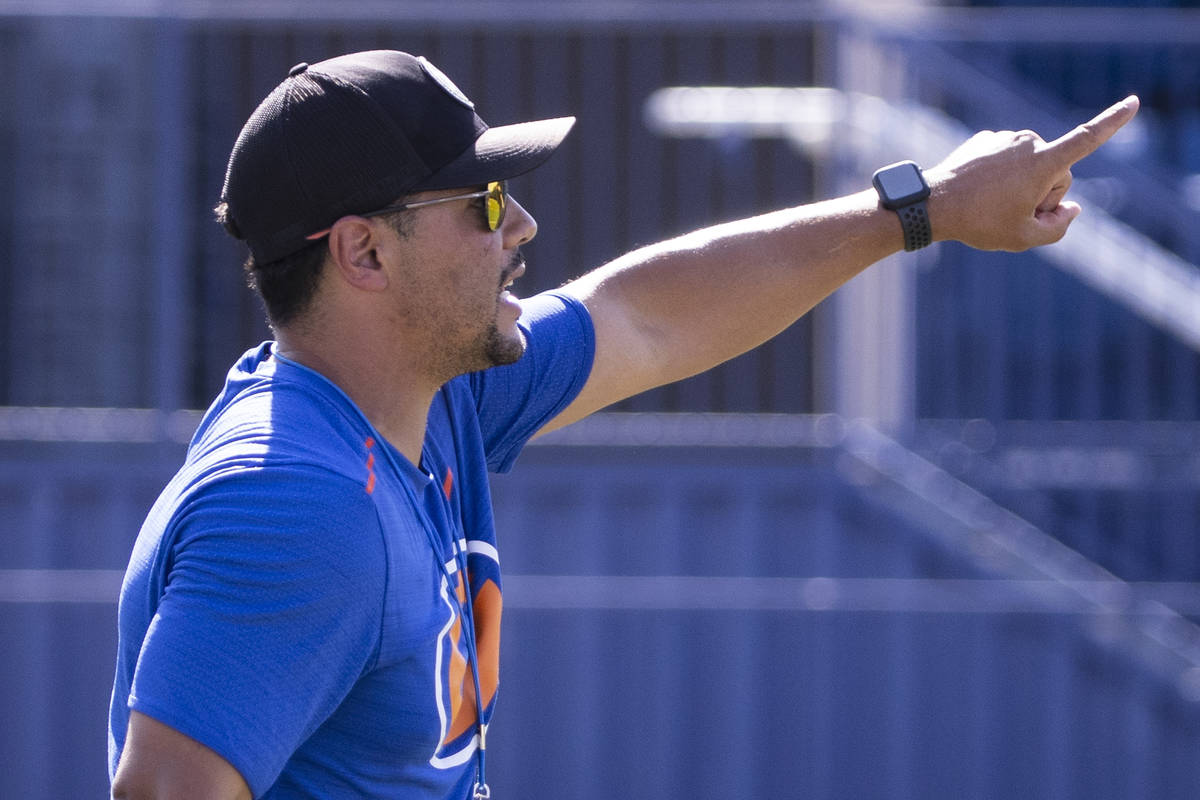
<point>1051,225</point>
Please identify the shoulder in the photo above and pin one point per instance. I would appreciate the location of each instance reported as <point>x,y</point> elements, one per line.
<point>555,320</point>
<point>259,605</point>
<point>292,513</point>
<point>293,421</point>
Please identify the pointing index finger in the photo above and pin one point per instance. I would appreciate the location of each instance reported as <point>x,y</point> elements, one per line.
<point>1084,139</point>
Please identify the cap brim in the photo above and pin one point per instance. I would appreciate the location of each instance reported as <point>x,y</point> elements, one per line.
<point>501,153</point>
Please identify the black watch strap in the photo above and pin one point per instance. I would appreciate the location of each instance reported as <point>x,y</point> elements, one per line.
<point>915,221</point>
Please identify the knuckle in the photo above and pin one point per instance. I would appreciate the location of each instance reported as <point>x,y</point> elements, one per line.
<point>1025,138</point>
<point>1087,134</point>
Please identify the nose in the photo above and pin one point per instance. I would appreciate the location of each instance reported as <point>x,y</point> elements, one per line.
<point>519,225</point>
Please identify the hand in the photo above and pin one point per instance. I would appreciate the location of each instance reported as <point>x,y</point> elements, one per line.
<point>1003,190</point>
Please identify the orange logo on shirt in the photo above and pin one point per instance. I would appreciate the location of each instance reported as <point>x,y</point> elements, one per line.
<point>370,443</point>
<point>486,610</point>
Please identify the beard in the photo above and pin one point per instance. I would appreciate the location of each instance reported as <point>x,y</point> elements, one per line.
<point>470,341</point>
<point>499,349</point>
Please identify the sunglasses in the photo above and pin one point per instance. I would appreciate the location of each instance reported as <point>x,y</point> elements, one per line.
<point>493,207</point>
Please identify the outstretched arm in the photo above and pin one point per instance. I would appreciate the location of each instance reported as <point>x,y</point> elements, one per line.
<point>668,311</point>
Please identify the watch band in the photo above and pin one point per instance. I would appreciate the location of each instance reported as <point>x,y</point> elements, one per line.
<point>915,221</point>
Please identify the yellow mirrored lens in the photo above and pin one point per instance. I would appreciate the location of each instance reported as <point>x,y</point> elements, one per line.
<point>495,205</point>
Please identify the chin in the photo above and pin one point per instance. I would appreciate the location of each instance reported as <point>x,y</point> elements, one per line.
<point>502,349</point>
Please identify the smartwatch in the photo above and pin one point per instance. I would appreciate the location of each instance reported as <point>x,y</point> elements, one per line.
<point>902,188</point>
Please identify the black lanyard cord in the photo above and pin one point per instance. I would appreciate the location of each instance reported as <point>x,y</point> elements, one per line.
<point>466,616</point>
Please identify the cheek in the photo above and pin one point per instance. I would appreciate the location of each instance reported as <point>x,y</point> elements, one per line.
<point>474,273</point>
<point>464,275</point>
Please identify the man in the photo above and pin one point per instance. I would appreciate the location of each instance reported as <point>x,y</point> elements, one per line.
<point>312,607</point>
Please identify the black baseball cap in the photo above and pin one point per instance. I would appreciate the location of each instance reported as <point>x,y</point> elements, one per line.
<point>357,132</point>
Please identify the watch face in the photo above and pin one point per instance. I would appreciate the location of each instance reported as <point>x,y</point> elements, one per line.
<point>901,184</point>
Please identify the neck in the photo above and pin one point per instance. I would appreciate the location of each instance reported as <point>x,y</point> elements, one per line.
<point>391,392</point>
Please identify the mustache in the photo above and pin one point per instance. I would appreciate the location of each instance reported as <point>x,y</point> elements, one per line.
<point>516,262</point>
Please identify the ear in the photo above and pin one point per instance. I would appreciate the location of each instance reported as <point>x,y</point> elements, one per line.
<point>353,248</point>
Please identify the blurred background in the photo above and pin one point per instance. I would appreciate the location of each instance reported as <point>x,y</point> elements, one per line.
<point>937,540</point>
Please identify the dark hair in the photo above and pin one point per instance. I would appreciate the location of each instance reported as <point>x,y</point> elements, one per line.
<point>287,285</point>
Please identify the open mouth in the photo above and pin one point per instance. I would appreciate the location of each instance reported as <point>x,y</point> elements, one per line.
<point>510,277</point>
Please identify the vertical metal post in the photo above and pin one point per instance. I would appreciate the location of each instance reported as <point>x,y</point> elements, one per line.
<point>170,235</point>
<point>868,338</point>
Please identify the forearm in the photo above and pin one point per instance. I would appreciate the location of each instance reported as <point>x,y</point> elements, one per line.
<point>671,310</point>
<point>684,305</point>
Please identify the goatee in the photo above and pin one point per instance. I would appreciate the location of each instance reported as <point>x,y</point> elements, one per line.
<point>500,350</point>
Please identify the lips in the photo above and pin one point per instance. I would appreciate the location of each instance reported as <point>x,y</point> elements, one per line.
<point>516,269</point>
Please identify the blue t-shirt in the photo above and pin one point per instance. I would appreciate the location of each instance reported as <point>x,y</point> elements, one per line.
<point>284,605</point>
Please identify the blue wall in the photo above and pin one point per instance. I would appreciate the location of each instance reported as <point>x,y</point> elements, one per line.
<point>615,685</point>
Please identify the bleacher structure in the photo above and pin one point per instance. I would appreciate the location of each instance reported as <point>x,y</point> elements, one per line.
<point>937,540</point>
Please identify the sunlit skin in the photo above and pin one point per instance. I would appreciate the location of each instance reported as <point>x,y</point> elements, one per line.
<point>463,320</point>
<point>677,308</point>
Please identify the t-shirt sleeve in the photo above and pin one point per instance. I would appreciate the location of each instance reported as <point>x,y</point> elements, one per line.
<point>272,609</point>
<point>515,401</point>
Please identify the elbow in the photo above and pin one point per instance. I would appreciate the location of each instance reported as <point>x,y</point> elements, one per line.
<point>132,783</point>
<point>122,791</point>
<point>125,786</point>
